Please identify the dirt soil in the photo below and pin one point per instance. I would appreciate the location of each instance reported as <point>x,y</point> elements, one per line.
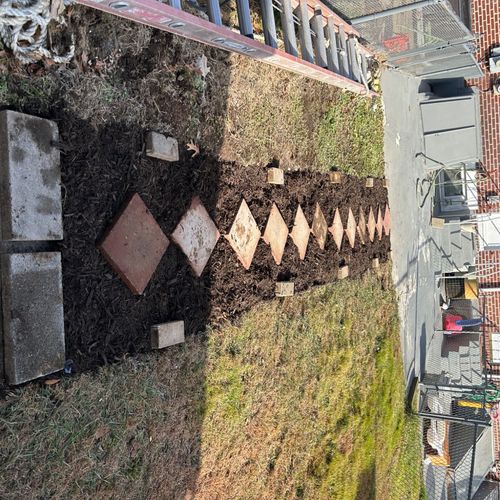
<point>102,167</point>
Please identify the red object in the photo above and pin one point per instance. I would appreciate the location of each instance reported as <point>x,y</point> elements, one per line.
<point>398,43</point>
<point>450,323</point>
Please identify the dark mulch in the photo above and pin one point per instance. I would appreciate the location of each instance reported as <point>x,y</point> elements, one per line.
<point>101,168</point>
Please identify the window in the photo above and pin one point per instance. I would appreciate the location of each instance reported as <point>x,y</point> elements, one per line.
<point>495,347</point>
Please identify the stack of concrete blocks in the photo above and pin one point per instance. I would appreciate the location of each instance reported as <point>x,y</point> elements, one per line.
<point>32,319</point>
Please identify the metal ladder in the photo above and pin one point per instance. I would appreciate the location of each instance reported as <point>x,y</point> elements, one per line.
<point>326,49</point>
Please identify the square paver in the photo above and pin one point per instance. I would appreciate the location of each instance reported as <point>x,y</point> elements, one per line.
<point>197,236</point>
<point>167,334</point>
<point>161,147</point>
<point>362,226</point>
<point>380,223</point>
<point>337,229</point>
<point>276,234</point>
<point>301,232</point>
<point>350,229</point>
<point>387,221</point>
<point>244,235</point>
<point>32,315</point>
<point>30,179</point>
<point>371,225</point>
<point>320,227</point>
<point>134,245</point>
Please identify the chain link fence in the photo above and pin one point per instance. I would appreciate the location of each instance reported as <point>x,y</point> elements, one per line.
<point>426,39</point>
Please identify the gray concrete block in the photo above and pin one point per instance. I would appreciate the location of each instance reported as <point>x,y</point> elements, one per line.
<point>30,179</point>
<point>161,147</point>
<point>32,315</point>
<point>285,288</point>
<point>167,334</point>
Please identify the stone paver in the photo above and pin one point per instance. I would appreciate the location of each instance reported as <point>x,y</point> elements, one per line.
<point>369,182</point>
<point>337,229</point>
<point>167,334</point>
<point>361,226</point>
<point>371,225</point>
<point>32,315</point>
<point>320,227</point>
<point>134,245</point>
<point>300,232</point>
<point>380,224</point>
<point>197,236</point>
<point>244,235</point>
<point>343,272</point>
<point>30,204</point>
<point>387,221</point>
<point>275,176</point>
<point>161,147</point>
<point>276,234</point>
<point>335,177</point>
<point>350,229</point>
<point>285,289</point>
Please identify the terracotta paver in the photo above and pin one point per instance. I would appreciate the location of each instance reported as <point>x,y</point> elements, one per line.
<point>244,235</point>
<point>337,229</point>
<point>300,232</point>
<point>350,230</point>
<point>320,227</point>
<point>196,234</point>
<point>134,245</point>
<point>362,226</point>
<point>371,225</point>
<point>387,221</point>
<point>276,234</point>
<point>379,223</point>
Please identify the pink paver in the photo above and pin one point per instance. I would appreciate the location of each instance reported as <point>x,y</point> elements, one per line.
<point>196,234</point>
<point>387,221</point>
<point>276,234</point>
<point>362,226</point>
<point>371,225</point>
<point>134,245</point>
<point>320,227</point>
<point>300,232</point>
<point>379,223</point>
<point>244,235</point>
<point>350,230</point>
<point>337,229</point>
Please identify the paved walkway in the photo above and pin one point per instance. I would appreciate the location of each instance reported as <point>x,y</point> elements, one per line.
<point>411,237</point>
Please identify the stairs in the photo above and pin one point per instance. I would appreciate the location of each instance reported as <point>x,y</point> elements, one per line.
<point>456,249</point>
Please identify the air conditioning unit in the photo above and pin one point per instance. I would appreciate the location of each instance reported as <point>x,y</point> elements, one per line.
<point>495,60</point>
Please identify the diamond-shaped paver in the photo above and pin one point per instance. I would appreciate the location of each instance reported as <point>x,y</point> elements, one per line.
<point>320,227</point>
<point>387,221</point>
<point>350,230</point>
<point>379,223</point>
<point>244,235</point>
<point>300,232</point>
<point>134,245</point>
<point>276,234</point>
<point>362,226</point>
<point>337,229</point>
<point>371,225</point>
<point>197,236</point>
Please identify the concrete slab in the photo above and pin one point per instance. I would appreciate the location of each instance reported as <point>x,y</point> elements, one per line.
<point>167,334</point>
<point>300,232</point>
<point>319,227</point>
<point>343,272</point>
<point>30,179</point>
<point>275,176</point>
<point>197,236</point>
<point>337,229</point>
<point>276,234</point>
<point>33,318</point>
<point>161,147</point>
<point>244,235</point>
<point>350,229</point>
<point>369,182</point>
<point>335,177</point>
<point>285,289</point>
<point>134,245</point>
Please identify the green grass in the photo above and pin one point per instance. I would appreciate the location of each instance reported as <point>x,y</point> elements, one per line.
<point>302,399</point>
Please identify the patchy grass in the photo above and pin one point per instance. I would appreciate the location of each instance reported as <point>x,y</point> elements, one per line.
<point>304,398</point>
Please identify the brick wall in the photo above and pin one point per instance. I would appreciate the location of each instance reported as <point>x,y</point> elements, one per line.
<point>485,21</point>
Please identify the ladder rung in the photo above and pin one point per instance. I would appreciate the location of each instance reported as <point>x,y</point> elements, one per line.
<point>244,19</point>
<point>268,23</point>
<point>333,53</point>
<point>305,32</point>
<point>344,59</point>
<point>319,40</point>
<point>214,12</point>
<point>288,28</point>
<point>353,59</point>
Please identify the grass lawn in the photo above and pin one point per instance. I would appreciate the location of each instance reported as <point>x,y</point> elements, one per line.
<point>304,398</point>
